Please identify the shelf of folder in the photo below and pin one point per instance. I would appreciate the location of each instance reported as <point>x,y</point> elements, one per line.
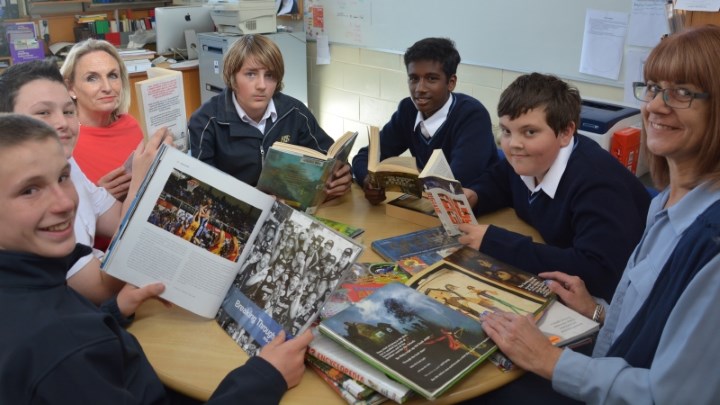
<point>45,8</point>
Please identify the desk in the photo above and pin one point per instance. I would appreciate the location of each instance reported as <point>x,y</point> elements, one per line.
<point>192,354</point>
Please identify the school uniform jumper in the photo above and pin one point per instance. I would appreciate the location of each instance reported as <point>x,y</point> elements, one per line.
<point>466,139</point>
<point>220,138</point>
<point>589,228</point>
<point>60,348</point>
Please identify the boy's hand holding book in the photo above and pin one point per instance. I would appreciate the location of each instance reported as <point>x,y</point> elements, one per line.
<point>288,356</point>
<point>374,194</point>
<point>339,182</point>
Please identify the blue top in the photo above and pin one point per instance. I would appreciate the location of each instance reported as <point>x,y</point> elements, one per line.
<point>466,139</point>
<point>590,227</point>
<point>685,366</point>
<point>57,347</point>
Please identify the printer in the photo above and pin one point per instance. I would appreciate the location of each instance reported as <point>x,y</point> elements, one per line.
<point>599,120</point>
<point>241,17</point>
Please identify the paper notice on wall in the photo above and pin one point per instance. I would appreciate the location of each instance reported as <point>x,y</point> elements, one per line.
<point>314,21</point>
<point>603,41</point>
<point>323,50</point>
<point>648,23</point>
<point>698,5</point>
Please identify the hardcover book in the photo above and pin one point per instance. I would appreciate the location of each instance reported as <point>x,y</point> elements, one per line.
<point>327,351</point>
<point>226,250</point>
<point>297,174</point>
<point>416,250</point>
<point>416,340</point>
<point>161,101</point>
<point>397,173</point>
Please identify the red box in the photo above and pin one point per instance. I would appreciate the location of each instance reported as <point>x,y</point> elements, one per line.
<point>625,146</point>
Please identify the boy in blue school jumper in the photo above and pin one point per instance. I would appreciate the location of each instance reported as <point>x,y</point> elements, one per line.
<point>434,117</point>
<point>58,347</point>
<point>589,209</point>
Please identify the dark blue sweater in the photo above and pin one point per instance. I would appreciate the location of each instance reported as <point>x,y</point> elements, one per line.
<point>590,228</point>
<point>466,139</point>
<point>57,347</point>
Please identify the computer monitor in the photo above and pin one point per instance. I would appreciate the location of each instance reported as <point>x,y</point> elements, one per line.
<point>171,24</point>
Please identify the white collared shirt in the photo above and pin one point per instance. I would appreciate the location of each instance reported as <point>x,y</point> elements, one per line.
<point>429,126</point>
<point>551,180</point>
<point>270,112</point>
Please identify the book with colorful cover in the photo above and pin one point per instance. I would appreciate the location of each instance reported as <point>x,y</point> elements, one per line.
<point>298,174</point>
<point>227,251</point>
<point>354,388</point>
<point>330,352</point>
<point>362,281</point>
<point>373,399</point>
<point>418,341</point>
<point>420,248</point>
<point>345,229</point>
<point>446,194</point>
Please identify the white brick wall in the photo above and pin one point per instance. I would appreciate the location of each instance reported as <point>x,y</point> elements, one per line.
<point>362,87</point>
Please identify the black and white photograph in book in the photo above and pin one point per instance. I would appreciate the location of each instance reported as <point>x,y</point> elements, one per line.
<point>295,265</point>
<point>204,216</point>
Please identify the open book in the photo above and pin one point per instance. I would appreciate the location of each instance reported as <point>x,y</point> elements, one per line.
<point>426,333</point>
<point>161,101</point>
<point>226,250</point>
<point>297,174</point>
<point>397,173</point>
<point>446,194</point>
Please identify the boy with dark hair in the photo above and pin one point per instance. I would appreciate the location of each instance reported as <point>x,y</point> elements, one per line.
<point>589,209</point>
<point>434,117</point>
<point>57,346</point>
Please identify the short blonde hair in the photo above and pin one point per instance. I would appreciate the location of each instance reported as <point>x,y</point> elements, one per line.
<point>691,57</point>
<point>93,45</point>
<point>260,47</point>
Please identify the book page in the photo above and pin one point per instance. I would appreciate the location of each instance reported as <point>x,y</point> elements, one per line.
<point>188,229</point>
<point>161,100</point>
<point>340,150</point>
<point>294,266</point>
<point>437,166</point>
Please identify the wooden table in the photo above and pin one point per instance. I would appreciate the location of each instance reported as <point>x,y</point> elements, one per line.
<point>192,354</point>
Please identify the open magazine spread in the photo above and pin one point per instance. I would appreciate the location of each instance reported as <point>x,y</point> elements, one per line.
<point>224,249</point>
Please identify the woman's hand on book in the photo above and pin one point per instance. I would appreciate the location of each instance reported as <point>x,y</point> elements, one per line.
<point>522,341</point>
<point>288,356</point>
<point>373,194</point>
<point>339,183</point>
<point>572,292</point>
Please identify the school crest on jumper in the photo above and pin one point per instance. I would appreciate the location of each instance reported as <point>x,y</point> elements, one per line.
<point>285,138</point>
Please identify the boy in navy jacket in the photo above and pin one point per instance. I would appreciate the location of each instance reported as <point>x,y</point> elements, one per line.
<point>434,117</point>
<point>589,209</point>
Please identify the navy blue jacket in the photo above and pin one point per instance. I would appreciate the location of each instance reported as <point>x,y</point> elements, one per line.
<point>57,347</point>
<point>220,138</point>
<point>466,139</point>
<point>590,228</point>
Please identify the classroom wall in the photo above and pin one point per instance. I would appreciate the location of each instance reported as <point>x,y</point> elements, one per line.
<point>362,87</point>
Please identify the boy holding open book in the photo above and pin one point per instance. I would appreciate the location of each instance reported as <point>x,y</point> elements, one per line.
<point>59,347</point>
<point>589,209</point>
<point>434,117</point>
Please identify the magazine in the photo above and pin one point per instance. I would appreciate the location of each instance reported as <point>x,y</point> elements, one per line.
<point>226,250</point>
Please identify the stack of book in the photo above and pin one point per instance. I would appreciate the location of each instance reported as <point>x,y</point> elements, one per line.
<point>422,330</point>
<point>137,60</point>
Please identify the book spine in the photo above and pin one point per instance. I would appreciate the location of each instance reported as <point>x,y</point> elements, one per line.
<point>502,362</point>
<point>359,391</point>
<point>351,365</point>
<point>347,396</point>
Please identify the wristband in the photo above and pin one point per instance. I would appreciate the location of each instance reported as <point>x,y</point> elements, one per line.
<point>599,314</point>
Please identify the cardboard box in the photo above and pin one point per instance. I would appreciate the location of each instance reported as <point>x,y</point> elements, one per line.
<point>625,146</point>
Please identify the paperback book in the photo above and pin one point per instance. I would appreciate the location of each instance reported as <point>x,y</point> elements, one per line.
<point>415,251</point>
<point>226,250</point>
<point>297,174</point>
<point>397,173</point>
<point>161,100</point>
<point>417,210</point>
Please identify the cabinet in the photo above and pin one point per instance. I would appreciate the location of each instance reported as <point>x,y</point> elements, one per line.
<point>45,8</point>
<point>214,45</point>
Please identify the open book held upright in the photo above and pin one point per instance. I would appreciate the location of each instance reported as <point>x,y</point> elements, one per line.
<point>297,174</point>
<point>226,250</point>
<point>161,101</point>
<point>446,194</point>
<point>396,173</point>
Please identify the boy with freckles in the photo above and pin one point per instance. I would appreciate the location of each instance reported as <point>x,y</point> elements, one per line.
<point>58,347</point>
<point>588,208</point>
